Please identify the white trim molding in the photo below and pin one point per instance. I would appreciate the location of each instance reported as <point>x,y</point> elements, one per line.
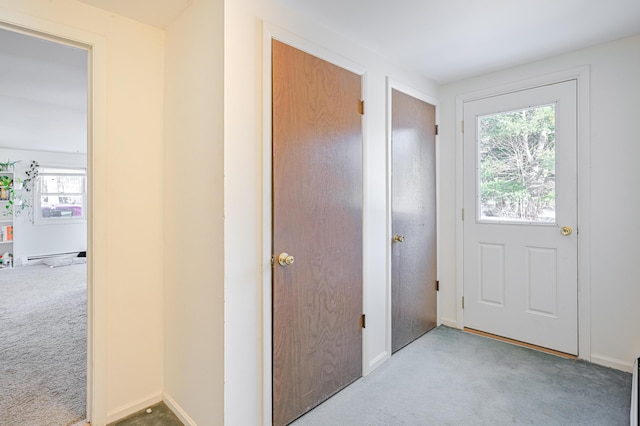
<point>606,361</point>
<point>129,409</point>
<point>449,322</point>
<point>178,410</point>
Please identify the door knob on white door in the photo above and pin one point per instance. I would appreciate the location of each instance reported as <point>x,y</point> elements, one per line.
<point>566,230</point>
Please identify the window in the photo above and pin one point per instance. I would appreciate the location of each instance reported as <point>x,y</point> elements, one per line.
<point>61,195</point>
<point>517,155</point>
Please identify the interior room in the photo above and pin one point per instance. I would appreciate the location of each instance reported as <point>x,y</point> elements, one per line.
<point>43,239</point>
<point>181,250</point>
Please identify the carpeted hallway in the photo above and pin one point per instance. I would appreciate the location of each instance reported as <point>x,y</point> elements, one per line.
<point>449,377</point>
<point>446,377</point>
<point>43,350</point>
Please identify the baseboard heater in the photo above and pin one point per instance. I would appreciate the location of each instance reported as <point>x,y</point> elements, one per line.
<point>635,395</point>
<point>47,256</point>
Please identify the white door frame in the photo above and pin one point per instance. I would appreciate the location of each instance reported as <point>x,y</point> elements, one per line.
<point>582,77</point>
<point>270,32</point>
<point>96,47</point>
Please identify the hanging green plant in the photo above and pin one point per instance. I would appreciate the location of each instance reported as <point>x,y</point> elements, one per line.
<point>7,194</point>
<point>31,176</point>
<point>8,166</point>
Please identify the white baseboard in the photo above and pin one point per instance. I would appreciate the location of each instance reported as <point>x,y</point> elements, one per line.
<point>377,362</point>
<point>449,322</point>
<point>612,362</point>
<point>177,410</point>
<point>127,410</point>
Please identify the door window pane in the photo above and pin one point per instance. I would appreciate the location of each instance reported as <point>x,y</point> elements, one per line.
<point>516,154</point>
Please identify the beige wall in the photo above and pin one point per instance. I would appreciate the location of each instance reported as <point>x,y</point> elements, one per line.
<point>126,162</point>
<point>609,198</point>
<point>193,233</point>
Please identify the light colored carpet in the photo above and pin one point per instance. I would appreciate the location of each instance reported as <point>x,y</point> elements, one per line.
<point>448,377</point>
<point>43,347</point>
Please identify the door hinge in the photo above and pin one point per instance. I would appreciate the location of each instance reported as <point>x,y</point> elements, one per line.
<point>436,130</point>
<point>462,302</point>
<point>462,126</point>
<point>463,214</point>
<point>437,285</point>
<point>363,322</point>
<point>361,107</point>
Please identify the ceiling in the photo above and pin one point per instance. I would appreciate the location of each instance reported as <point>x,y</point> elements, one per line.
<point>158,13</point>
<point>43,84</point>
<point>43,94</point>
<point>446,40</point>
<point>450,40</point>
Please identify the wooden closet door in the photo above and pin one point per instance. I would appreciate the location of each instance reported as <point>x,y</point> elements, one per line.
<point>317,219</point>
<point>413,268</point>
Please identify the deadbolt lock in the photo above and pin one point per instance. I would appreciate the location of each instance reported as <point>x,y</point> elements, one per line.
<point>398,238</point>
<point>285,259</point>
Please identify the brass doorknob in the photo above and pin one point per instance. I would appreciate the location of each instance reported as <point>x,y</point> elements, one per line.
<point>398,238</point>
<point>566,230</point>
<point>285,259</point>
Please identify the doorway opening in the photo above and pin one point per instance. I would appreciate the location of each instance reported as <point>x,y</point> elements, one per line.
<point>44,104</point>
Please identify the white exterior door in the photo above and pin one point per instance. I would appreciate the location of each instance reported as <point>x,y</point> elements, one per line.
<point>520,216</point>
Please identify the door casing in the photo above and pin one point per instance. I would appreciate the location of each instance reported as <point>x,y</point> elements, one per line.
<point>582,77</point>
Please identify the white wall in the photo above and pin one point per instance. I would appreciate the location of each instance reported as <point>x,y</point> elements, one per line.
<point>247,267</point>
<point>612,271</point>
<point>126,256</point>
<point>43,239</point>
<point>193,209</point>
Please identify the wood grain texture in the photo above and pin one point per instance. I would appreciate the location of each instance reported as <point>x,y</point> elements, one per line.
<point>413,179</point>
<point>317,218</point>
